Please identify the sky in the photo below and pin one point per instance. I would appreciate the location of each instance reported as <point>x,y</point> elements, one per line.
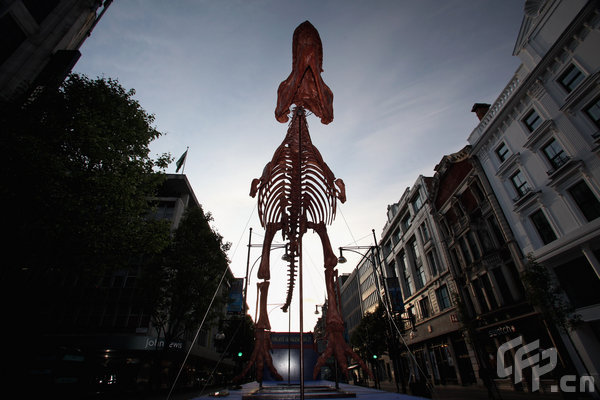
<point>404,76</point>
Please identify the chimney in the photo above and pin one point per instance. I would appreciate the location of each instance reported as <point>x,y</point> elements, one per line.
<point>480,109</point>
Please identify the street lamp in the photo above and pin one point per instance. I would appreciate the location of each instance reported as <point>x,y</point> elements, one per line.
<point>374,251</point>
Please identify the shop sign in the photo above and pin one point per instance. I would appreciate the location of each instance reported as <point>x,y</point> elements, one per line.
<point>154,343</point>
<point>502,330</point>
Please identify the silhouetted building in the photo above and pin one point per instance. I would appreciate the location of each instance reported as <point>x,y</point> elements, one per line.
<point>40,42</point>
<point>101,333</point>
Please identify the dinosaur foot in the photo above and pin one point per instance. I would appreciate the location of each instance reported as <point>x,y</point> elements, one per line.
<point>337,347</point>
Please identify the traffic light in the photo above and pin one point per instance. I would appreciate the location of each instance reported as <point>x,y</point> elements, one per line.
<point>240,354</point>
<point>374,356</point>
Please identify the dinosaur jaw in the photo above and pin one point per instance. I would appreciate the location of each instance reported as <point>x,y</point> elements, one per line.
<point>305,87</point>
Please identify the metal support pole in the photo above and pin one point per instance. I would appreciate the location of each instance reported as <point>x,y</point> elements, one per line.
<point>247,268</point>
<point>289,342</point>
<point>301,324</point>
<point>392,349</point>
<point>301,297</point>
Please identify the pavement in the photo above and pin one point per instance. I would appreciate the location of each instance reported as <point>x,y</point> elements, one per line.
<point>387,392</point>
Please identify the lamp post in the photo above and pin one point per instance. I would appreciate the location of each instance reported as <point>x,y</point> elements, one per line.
<point>377,270</point>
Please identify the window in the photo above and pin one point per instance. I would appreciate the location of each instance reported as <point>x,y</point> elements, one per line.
<point>487,285</point>
<point>479,293</point>
<point>420,279</point>
<point>396,236</point>
<point>406,222</point>
<point>586,200</point>
<point>503,286</point>
<point>425,232</point>
<point>496,229</point>
<point>593,111</point>
<point>443,297</point>
<point>465,250</point>
<point>555,154</point>
<point>165,210</point>
<point>543,226</point>
<point>417,203</point>
<point>387,248</point>
<point>532,120</point>
<point>408,286</point>
<point>473,245</point>
<point>391,270</point>
<point>425,307</point>
<point>415,251</point>
<point>455,257</point>
<point>485,239</point>
<point>39,10</point>
<point>502,152</point>
<point>571,78</point>
<point>579,281</point>
<point>519,183</point>
<point>431,259</point>
<point>12,36</point>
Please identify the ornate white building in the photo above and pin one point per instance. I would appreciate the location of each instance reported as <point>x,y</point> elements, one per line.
<point>539,144</point>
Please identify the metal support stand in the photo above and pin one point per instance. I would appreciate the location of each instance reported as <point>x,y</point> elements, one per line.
<point>301,323</point>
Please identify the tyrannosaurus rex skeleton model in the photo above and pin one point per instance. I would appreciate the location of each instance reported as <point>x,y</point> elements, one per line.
<point>297,191</point>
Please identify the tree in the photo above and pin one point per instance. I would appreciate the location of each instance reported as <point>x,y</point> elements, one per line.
<point>370,337</point>
<point>238,340</point>
<point>543,292</point>
<point>183,280</point>
<point>76,177</point>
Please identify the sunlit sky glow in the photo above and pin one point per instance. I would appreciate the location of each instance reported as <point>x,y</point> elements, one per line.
<point>404,75</point>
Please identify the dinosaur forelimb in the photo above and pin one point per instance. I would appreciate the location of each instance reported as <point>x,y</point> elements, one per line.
<point>341,192</point>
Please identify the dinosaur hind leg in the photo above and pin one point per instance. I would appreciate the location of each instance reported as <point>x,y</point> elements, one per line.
<point>264,268</point>
<point>330,260</point>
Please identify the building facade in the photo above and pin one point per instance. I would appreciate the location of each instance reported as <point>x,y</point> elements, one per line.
<point>487,264</point>
<point>538,144</point>
<point>433,348</point>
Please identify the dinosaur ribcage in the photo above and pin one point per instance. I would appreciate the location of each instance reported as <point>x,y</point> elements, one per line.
<point>299,188</point>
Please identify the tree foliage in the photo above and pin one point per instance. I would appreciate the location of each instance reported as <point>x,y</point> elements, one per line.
<point>239,337</point>
<point>544,293</point>
<point>371,336</point>
<point>76,176</point>
<point>182,283</point>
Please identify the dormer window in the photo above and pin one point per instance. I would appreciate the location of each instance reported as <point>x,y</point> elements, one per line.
<point>571,78</point>
<point>532,120</point>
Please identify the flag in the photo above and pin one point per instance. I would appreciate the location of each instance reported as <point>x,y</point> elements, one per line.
<point>180,162</point>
